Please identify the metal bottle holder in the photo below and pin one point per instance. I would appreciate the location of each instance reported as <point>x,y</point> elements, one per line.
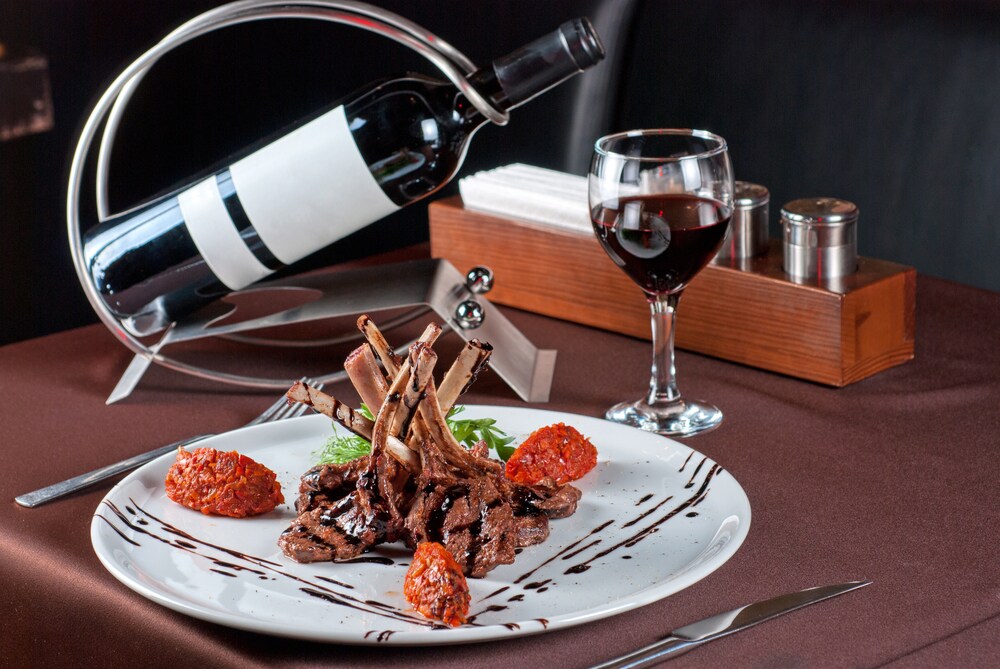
<point>424,285</point>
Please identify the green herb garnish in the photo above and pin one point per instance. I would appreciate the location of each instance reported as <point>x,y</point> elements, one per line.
<point>471,431</point>
<point>339,449</point>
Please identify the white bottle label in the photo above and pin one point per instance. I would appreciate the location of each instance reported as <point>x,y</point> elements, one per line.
<point>301,193</point>
<point>217,238</point>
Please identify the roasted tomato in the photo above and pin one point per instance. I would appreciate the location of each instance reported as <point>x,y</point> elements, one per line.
<point>222,484</point>
<point>557,451</point>
<point>436,586</point>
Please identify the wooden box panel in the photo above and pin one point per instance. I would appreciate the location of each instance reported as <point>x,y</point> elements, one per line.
<point>754,315</point>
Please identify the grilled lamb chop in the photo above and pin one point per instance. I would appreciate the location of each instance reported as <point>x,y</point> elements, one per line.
<point>419,484</point>
<point>469,515</point>
<point>554,501</point>
<point>326,484</point>
<point>341,528</point>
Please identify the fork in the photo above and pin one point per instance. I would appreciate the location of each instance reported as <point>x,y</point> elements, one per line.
<point>280,410</point>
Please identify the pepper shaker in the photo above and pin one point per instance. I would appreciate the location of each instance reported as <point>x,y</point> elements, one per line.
<point>819,238</point>
<point>748,234</point>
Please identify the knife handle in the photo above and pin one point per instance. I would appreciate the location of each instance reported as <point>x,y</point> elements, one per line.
<point>57,490</point>
<point>648,655</point>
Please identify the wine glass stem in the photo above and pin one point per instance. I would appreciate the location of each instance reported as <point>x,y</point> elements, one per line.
<point>663,383</point>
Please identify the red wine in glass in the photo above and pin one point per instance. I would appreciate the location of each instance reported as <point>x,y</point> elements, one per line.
<point>661,241</point>
<point>660,200</point>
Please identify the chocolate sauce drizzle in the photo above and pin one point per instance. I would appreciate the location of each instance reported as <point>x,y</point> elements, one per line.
<point>471,620</point>
<point>117,531</point>
<point>265,569</point>
<point>699,495</point>
<point>653,510</point>
<point>191,544</point>
<point>686,461</point>
<point>565,550</point>
<point>697,469</point>
<point>336,582</point>
<point>537,585</point>
<point>495,593</point>
<point>581,549</point>
<point>382,636</point>
<point>371,559</point>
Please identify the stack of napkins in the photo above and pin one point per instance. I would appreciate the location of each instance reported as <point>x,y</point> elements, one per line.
<point>530,193</point>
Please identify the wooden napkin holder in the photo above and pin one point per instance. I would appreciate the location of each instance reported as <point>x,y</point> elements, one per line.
<point>755,315</point>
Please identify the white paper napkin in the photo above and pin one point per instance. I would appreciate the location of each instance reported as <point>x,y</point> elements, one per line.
<point>535,194</point>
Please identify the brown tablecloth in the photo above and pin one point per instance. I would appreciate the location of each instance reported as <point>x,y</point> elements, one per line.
<point>894,479</point>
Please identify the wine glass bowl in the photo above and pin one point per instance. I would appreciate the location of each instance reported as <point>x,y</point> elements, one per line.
<point>661,202</point>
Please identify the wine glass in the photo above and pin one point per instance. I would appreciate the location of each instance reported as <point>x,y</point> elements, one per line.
<point>661,202</point>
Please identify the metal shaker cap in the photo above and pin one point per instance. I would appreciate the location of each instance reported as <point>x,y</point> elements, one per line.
<point>748,234</point>
<point>820,237</point>
<point>747,195</point>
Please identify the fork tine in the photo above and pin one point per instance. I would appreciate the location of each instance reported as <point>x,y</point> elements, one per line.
<point>298,410</point>
<point>283,409</point>
<point>274,412</point>
<point>269,413</point>
<point>282,414</point>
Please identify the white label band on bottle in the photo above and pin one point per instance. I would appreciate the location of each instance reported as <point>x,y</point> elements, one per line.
<point>309,188</point>
<point>300,193</point>
<point>214,233</point>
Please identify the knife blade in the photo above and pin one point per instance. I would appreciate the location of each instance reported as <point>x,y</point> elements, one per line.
<point>722,624</point>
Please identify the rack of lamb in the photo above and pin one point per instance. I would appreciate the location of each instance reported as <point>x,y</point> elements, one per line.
<point>419,484</point>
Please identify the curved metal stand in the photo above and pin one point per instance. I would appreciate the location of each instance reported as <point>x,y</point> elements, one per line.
<point>426,285</point>
<point>110,108</point>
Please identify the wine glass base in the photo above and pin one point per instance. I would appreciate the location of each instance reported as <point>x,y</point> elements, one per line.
<point>683,418</point>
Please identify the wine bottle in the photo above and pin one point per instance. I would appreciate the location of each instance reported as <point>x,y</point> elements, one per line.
<point>393,143</point>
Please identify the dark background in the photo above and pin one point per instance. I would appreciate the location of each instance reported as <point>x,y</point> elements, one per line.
<point>893,105</point>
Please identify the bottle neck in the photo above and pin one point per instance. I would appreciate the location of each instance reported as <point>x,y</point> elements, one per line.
<point>486,82</point>
<point>529,71</point>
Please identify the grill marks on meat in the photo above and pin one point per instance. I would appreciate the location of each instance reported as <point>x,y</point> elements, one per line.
<point>470,516</point>
<point>554,501</point>
<point>341,514</point>
<point>419,484</point>
<point>338,531</point>
<point>325,484</point>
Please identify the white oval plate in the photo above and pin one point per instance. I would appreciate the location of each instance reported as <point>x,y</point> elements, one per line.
<point>655,517</point>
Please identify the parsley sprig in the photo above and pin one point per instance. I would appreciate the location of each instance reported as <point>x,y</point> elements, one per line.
<point>341,448</point>
<point>470,431</point>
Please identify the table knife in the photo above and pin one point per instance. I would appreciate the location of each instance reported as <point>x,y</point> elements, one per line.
<point>709,629</point>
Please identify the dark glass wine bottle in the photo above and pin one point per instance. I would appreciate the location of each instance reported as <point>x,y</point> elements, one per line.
<point>395,142</point>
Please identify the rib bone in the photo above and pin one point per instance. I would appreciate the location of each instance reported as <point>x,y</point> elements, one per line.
<point>437,428</point>
<point>377,341</point>
<point>421,362</point>
<point>352,420</point>
<point>462,373</point>
<point>366,376</point>
<point>373,335</point>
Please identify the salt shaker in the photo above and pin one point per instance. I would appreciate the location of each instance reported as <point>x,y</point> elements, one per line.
<point>819,238</point>
<point>748,234</point>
